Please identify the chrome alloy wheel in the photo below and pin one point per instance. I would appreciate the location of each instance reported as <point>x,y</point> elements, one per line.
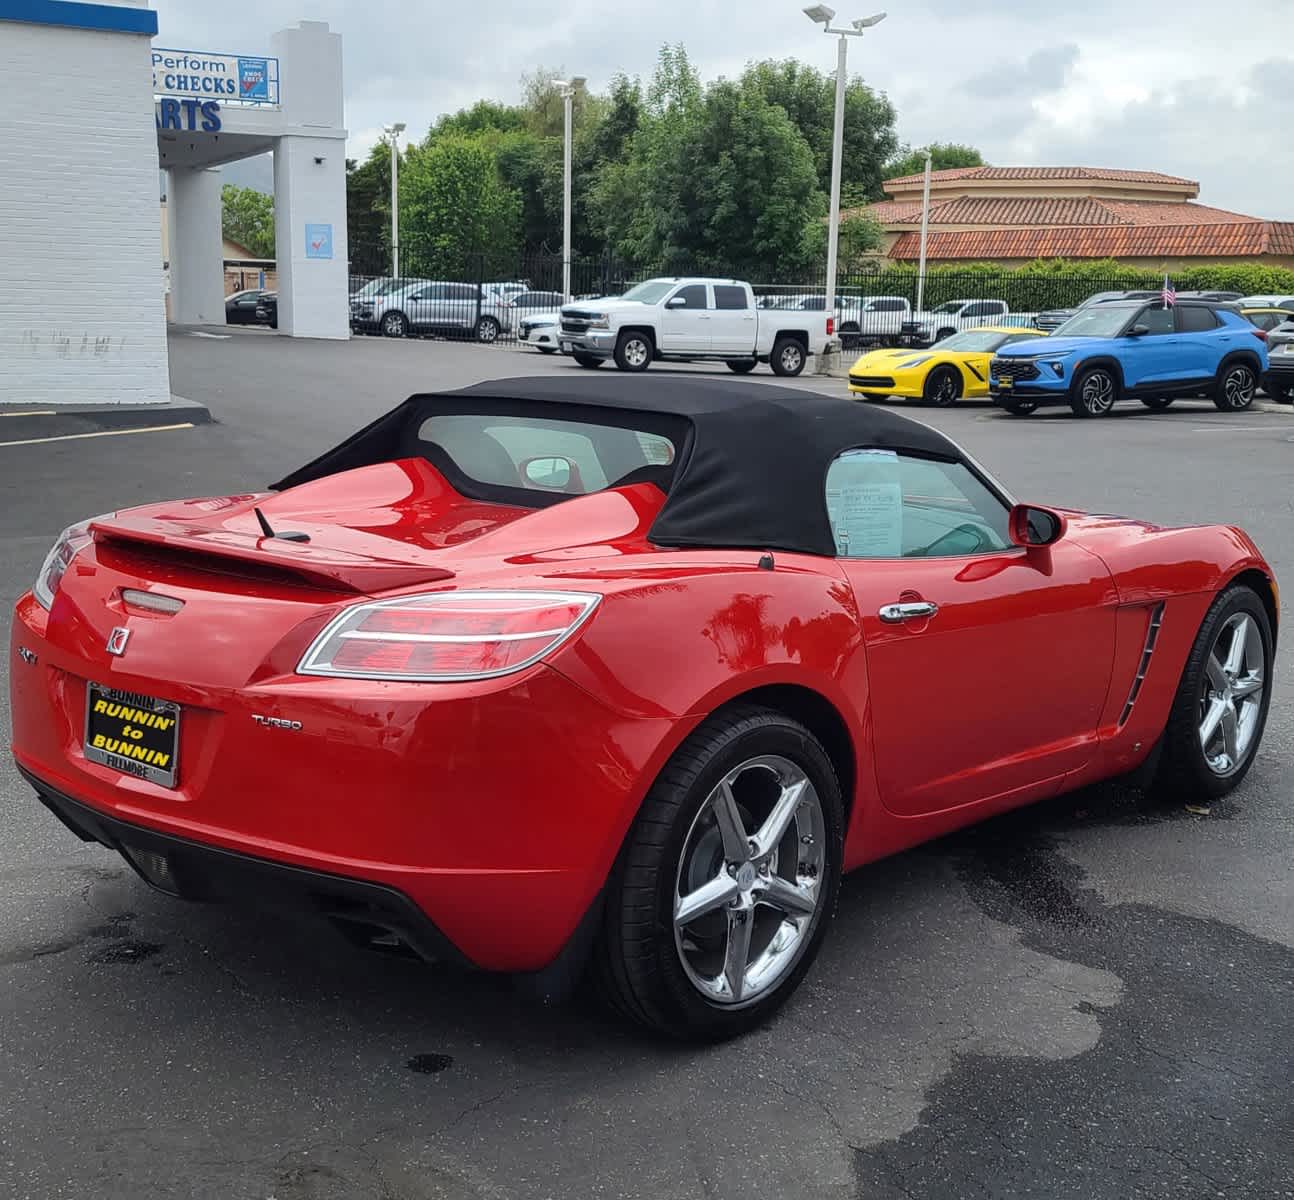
<point>1231,699</point>
<point>1239,387</point>
<point>750,881</point>
<point>1097,393</point>
<point>636,352</point>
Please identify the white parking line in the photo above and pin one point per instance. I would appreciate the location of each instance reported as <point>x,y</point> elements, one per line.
<point>1232,428</point>
<point>69,437</point>
<point>35,412</point>
<point>218,337</point>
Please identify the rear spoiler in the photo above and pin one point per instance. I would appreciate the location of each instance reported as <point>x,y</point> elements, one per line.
<point>220,550</point>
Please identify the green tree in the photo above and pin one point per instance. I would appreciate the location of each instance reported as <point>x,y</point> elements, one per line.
<point>247,217</point>
<point>943,156</point>
<point>368,211</point>
<point>454,208</point>
<point>808,97</point>
<point>861,237</point>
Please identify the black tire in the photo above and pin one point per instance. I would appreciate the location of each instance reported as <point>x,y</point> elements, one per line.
<point>1020,408</point>
<point>591,361</point>
<point>395,324</point>
<point>1282,393</point>
<point>274,324</point>
<point>943,386</point>
<point>741,366</point>
<point>637,959</point>
<point>1235,387</point>
<point>1183,774</point>
<point>634,351</point>
<point>788,358</point>
<point>546,349</point>
<point>1095,393</point>
<point>1156,403</point>
<point>487,330</point>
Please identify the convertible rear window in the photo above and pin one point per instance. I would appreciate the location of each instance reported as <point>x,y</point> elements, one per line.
<point>567,457</point>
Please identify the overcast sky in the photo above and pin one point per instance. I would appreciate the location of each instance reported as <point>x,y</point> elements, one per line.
<point>1182,86</point>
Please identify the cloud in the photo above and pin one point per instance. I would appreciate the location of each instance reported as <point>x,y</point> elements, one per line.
<point>1103,83</point>
<point>1042,72</point>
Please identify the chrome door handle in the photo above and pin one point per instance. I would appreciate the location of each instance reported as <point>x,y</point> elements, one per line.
<point>894,613</point>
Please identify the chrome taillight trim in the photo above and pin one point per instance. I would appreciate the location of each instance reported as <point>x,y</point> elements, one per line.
<point>309,664</point>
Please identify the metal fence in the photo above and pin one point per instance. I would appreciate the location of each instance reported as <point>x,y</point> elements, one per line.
<point>497,300</point>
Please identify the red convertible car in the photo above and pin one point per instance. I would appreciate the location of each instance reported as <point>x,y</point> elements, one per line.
<point>552,672</point>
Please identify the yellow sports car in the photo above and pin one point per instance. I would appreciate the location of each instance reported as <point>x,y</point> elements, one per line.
<point>940,374</point>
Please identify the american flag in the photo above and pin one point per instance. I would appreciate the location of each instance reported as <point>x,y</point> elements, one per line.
<point>1169,294</point>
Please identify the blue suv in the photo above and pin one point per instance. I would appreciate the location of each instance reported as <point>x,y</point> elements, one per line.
<point>1134,350</point>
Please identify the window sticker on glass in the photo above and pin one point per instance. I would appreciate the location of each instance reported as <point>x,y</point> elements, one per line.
<point>865,504</point>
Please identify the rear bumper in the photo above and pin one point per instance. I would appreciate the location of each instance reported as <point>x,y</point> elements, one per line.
<point>366,913</point>
<point>495,808</point>
<point>1281,373</point>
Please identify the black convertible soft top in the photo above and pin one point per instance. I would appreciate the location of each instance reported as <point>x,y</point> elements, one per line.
<point>752,460</point>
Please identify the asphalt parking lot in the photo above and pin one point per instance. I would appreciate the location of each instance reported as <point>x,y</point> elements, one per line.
<point>1085,999</point>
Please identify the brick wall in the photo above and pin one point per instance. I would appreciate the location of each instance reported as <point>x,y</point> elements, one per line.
<point>81,286</point>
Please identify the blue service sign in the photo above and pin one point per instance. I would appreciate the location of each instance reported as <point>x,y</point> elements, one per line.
<point>188,116</point>
<point>240,78</point>
<point>318,241</point>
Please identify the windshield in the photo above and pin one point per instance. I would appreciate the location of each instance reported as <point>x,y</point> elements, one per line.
<point>976,339</point>
<point>950,306</point>
<point>1099,321</point>
<point>649,292</point>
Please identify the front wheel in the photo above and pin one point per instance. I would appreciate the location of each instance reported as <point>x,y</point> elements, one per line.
<point>633,352</point>
<point>788,357</point>
<point>487,330</point>
<point>1236,386</point>
<point>1282,393</point>
<point>1094,393</point>
<point>1220,710</point>
<point>727,880</point>
<point>546,349</point>
<point>1019,408</point>
<point>591,361</point>
<point>1156,403</point>
<point>394,324</point>
<point>943,386</point>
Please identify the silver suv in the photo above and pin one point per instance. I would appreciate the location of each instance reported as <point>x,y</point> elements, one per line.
<point>436,307</point>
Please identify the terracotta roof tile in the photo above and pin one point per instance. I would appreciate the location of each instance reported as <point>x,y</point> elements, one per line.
<point>1153,212</point>
<point>1096,174</point>
<point>1239,239</point>
<point>1054,211</point>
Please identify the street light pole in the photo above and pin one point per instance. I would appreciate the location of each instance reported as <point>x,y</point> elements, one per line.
<point>393,132</point>
<point>925,222</point>
<point>568,89</point>
<point>820,14</point>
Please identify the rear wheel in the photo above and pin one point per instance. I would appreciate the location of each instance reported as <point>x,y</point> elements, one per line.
<point>487,330</point>
<point>943,386</point>
<point>1236,386</point>
<point>723,891</point>
<point>588,360</point>
<point>1094,393</point>
<point>394,324</point>
<point>633,351</point>
<point>1282,393</point>
<point>741,366</point>
<point>1156,403</point>
<point>1220,710</point>
<point>788,357</point>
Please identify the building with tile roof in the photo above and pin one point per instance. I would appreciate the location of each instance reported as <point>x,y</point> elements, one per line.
<point>1011,215</point>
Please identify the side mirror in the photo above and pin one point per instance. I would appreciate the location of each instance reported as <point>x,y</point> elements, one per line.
<point>1139,331</point>
<point>1031,525</point>
<point>676,302</point>
<point>550,471</point>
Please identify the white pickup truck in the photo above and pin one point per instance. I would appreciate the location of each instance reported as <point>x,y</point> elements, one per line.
<point>953,316</point>
<point>682,320</point>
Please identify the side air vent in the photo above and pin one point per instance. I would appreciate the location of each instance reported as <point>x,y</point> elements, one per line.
<point>1152,636</point>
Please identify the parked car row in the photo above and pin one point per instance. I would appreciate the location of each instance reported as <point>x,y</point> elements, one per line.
<point>1111,350</point>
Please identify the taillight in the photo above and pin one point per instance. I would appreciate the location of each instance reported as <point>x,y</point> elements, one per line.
<point>70,542</point>
<point>831,326</point>
<point>447,636</point>
<point>1260,334</point>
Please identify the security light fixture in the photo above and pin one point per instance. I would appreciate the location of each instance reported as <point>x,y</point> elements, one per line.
<point>820,13</point>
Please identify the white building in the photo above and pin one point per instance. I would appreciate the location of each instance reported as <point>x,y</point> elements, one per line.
<point>81,291</point>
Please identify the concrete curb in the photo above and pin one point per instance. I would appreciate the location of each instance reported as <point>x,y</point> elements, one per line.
<point>23,421</point>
